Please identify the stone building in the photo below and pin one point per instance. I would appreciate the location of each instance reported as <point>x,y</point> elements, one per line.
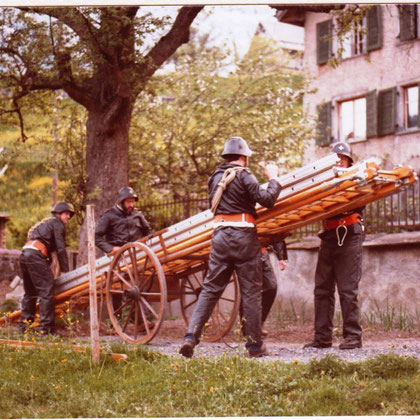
<point>371,99</point>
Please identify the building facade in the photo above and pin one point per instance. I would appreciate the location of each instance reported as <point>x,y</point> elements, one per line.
<point>371,98</point>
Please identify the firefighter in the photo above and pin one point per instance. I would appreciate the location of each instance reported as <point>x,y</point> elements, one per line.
<point>269,284</point>
<point>234,245</point>
<point>269,289</point>
<point>339,264</point>
<point>121,224</point>
<point>44,238</point>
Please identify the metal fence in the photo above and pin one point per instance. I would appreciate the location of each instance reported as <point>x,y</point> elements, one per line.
<point>399,212</point>
<point>169,212</point>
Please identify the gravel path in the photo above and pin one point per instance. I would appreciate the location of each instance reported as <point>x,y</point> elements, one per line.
<point>293,352</point>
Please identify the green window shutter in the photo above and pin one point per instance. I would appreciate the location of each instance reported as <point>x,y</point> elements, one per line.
<point>374,28</point>
<point>323,41</point>
<point>386,111</point>
<point>323,137</point>
<point>418,107</point>
<point>371,115</point>
<point>408,21</point>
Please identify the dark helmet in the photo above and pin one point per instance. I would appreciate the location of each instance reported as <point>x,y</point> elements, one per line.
<point>63,206</point>
<point>236,146</point>
<point>126,192</point>
<point>342,149</point>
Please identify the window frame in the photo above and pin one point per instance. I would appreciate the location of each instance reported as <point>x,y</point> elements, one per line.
<point>404,103</point>
<point>339,121</point>
<point>354,32</point>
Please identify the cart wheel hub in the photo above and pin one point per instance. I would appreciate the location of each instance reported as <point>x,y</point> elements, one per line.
<point>133,293</point>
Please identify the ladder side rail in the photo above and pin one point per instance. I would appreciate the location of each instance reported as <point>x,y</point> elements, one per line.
<point>203,221</point>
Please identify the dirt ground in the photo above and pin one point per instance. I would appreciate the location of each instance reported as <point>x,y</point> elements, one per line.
<point>285,341</point>
<point>172,331</point>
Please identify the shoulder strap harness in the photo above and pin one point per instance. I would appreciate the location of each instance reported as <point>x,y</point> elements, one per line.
<point>227,177</point>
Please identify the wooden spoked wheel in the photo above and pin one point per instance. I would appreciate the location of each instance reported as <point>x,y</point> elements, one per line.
<point>225,312</point>
<point>136,294</point>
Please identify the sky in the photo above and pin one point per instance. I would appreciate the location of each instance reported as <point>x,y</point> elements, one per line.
<point>235,25</point>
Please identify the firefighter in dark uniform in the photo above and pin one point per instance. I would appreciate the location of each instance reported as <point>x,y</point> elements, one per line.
<point>277,246</point>
<point>269,289</point>
<point>121,224</point>
<point>339,263</point>
<point>44,238</point>
<point>234,245</point>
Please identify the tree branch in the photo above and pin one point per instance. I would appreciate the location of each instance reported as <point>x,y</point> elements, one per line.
<point>168,44</point>
<point>71,17</point>
<point>309,8</point>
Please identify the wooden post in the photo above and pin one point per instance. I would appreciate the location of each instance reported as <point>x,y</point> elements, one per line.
<point>94,326</point>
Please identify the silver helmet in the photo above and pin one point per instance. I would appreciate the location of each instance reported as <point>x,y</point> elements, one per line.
<point>236,146</point>
<point>342,148</point>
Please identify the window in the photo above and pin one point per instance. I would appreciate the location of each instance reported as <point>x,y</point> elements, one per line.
<point>387,111</point>
<point>411,106</point>
<point>323,39</point>
<point>359,41</point>
<point>352,120</point>
<point>408,22</point>
<point>354,42</point>
<point>323,137</point>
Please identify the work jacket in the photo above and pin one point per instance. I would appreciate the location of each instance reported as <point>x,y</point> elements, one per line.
<point>51,232</point>
<point>279,249</point>
<point>243,192</point>
<point>117,227</point>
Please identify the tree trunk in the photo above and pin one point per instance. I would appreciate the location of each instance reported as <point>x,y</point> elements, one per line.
<point>106,163</point>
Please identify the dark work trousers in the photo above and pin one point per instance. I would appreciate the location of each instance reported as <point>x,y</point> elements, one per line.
<point>38,283</point>
<point>341,266</point>
<point>269,288</point>
<point>232,249</point>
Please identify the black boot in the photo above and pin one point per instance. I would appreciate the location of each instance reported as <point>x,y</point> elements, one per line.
<point>317,345</point>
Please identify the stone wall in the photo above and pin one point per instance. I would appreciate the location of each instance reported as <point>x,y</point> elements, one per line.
<point>390,273</point>
<point>9,264</point>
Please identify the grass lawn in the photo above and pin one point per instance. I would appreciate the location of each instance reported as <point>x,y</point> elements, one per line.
<point>56,382</point>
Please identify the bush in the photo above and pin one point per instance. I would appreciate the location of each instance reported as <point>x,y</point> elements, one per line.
<point>9,305</point>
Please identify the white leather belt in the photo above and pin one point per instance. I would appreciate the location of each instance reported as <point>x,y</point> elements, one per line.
<point>234,224</point>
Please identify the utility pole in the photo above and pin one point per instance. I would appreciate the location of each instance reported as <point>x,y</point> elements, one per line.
<point>93,300</point>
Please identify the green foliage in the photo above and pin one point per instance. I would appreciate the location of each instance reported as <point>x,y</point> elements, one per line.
<point>391,317</point>
<point>330,365</point>
<point>389,366</point>
<point>69,158</point>
<point>26,187</point>
<point>9,305</point>
<point>26,196</point>
<point>346,20</point>
<point>57,382</point>
<point>182,121</point>
<point>291,312</point>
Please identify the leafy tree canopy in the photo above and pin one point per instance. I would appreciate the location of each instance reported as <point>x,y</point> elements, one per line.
<point>182,120</point>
